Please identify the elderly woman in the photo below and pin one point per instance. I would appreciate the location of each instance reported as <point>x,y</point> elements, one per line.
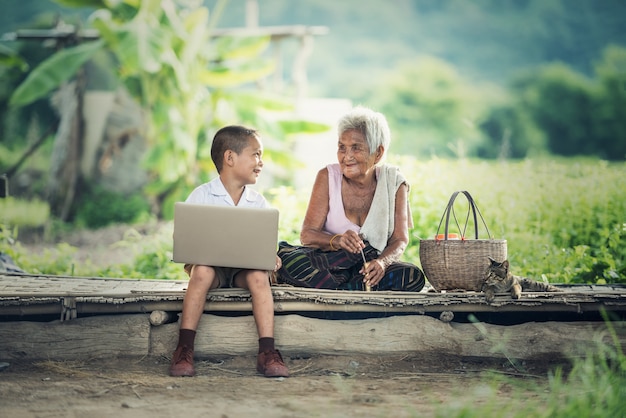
<point>357,222</point>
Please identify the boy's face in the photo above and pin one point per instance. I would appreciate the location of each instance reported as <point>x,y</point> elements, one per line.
<point>248,164</point>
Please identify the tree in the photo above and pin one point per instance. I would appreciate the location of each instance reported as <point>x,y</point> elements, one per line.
<point>610,109</point>
<point>560,102</point>
<point>510,133</point>
<point>34,118</point>
<point>186,81</point>
<point>430,108</point>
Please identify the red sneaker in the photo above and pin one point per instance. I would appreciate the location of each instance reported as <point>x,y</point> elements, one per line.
<point>270,364</point>
<point>182,362</point>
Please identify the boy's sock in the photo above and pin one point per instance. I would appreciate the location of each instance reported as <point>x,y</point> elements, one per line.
<point>186,337</point>
<point>266,344</point>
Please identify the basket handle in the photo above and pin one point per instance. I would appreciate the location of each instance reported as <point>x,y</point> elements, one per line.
<point>475,212</point>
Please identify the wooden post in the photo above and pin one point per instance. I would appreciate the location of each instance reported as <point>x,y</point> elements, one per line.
<point>161,317</point>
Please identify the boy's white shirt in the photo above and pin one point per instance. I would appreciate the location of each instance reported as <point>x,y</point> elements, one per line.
<point>214,193</point>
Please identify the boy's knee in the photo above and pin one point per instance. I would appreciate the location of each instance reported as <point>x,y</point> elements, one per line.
<point>258,280</point>
<point>202,274</point>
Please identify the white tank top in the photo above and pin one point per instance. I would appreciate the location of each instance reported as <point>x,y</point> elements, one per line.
<point>336,220</point>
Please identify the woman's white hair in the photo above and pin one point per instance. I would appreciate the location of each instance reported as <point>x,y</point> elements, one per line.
<point>373,125</point>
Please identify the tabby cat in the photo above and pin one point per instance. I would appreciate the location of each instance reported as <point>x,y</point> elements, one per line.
<point>498,279</point>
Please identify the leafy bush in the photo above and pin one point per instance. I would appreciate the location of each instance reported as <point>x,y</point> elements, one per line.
<point>153,257</point>
<point>564,220</point>
<point>102,207</point>
<point>557,109</point>
<point>57,261</point>
<point>31,213</point>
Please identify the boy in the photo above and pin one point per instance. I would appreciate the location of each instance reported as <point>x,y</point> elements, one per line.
<point>236,152</point>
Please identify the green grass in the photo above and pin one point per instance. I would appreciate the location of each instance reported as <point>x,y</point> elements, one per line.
<point>21,213</point>
<point>564,219</point>
<point>595,387</point>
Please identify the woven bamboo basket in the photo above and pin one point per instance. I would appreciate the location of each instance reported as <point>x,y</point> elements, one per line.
<point>459,264</point>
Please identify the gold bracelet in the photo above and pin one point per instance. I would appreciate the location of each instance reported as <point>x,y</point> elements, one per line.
<point>331,242</point>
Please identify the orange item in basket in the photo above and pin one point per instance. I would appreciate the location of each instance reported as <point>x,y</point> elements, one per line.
<point>450,236</point>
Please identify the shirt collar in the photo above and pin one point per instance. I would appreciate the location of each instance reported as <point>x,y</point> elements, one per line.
<point>218,189</point>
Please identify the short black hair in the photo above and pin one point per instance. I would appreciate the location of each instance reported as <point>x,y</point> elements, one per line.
<point>234,138</point>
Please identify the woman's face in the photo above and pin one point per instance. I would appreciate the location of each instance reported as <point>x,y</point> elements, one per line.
<point>353,154</point>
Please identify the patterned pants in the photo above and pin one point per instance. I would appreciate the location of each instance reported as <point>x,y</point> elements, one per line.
<point>314,268</point>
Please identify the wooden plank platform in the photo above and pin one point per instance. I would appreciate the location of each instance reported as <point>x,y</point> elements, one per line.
<point>60,318</point>
<point>25,295</point>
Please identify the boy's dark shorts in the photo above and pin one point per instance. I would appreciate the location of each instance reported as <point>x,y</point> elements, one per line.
<point>225,275</point>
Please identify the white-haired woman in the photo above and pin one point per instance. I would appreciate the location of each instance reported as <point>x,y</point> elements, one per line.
<point>358,207</point>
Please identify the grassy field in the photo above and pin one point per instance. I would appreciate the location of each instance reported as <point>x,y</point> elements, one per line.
<point>564,220</point>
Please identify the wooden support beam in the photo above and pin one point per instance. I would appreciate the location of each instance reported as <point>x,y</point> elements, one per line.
<point>223,336</point>
<point>95,337</point>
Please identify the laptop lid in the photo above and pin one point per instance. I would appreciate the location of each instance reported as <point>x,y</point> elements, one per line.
<point>225,236</point>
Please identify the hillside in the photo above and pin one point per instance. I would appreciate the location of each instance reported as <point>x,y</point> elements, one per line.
<point>486,40</point>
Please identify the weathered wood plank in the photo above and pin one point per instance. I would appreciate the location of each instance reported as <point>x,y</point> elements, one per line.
<point>94,337</point>
<point>35,295</point>
<point>298,335</point>
<point>132,335</point>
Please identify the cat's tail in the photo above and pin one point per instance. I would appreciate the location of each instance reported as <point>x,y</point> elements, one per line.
<point>536,286</point>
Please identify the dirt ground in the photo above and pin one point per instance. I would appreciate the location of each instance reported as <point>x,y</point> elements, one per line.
<point>322,386</point>
<point>335,386</point>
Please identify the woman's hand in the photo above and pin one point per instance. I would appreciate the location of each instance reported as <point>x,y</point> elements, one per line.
<point>349,241</point>
<point>373,272</point>
<point>279,263</point>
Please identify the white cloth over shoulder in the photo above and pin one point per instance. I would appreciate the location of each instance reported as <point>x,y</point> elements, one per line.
<point>379,224</point>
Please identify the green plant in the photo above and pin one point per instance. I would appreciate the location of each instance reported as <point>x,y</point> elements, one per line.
<point>56,261</point>
<point>152,256</point>
<point>24,213</point>
<point>101,207</point>
<point>188,82</point>
<point>291,204</point>
<point>7,242</point>
<point>562,218</point>
<point>594,386</point>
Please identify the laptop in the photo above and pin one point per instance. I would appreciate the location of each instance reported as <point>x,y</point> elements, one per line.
<point>225,236</point>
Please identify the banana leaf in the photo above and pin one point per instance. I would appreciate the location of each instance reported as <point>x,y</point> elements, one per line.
<point>96,4</point>
<point>52,72</point>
